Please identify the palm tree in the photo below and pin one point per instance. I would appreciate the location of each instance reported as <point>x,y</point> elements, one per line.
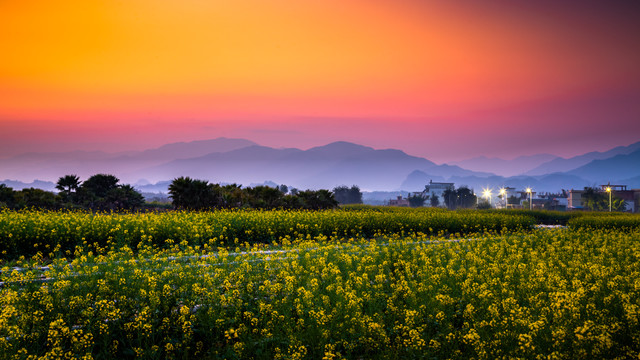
<point>192,194</point>
<point>68,184</point>
<point>178,191</point>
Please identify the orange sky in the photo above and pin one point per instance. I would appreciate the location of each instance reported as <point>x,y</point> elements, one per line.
<point>138,73</point>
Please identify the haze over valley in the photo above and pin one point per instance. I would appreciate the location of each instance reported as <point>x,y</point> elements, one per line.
<point>241,161</point>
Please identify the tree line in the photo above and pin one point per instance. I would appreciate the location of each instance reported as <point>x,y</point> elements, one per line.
<point>100,192</point>
<point>193,194</point>
<point>462,197</point>
<point>103,192</point>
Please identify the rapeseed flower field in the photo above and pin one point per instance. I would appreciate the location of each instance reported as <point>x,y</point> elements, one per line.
<point>322,285</point>
<point>25,233</point>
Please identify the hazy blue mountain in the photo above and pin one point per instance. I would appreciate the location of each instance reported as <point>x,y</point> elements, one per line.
<point>446,170</point>
<point>339,149</point>
<point>555,182</point>
<point>612,170</point>
<point>241,161</point>
<point>632,183</point>
<point>38,184</point>
<point>184,150</point>
<point>159,187</point>
<point>125,165</point>
<point>565,165</point>
<point>417,180</point>
<point>338,163</point>
<point>503,167</point>
<point>254,164</point>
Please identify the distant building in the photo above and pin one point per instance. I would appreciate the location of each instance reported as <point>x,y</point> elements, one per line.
<point>510,192</point>
<point>399,202</point>
<point>524,195</point>
<point>437,189</point>
<point>559,203</point>
<point>540,203</point>
<point>574,201</point>
<point>631,197</point>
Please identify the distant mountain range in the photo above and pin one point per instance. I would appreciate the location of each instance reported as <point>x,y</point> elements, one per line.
<point>338,163</point>
<point>617,167</point>
<point>564,165</point>
<point>126,165</point>
<point>244,162</point>
<point>502,167</point>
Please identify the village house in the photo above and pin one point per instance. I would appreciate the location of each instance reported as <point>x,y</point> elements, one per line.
<point>437,189</point>
<point>399,202</point>
<point>631,197</point>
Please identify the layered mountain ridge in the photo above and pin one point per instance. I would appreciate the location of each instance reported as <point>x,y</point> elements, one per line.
<point>241,161</point>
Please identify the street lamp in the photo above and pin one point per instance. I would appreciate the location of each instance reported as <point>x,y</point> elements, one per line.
<point>609,191</point>
<point>530,199</point>
<point>503,192</point>
<point>487,194</point>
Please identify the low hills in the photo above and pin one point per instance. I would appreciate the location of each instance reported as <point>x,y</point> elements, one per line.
<point>241,161</point>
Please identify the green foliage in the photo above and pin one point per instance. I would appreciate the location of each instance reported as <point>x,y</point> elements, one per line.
<point>551,217</point>
<point>614,221</point>
<point>416,201</point>
<point>7,196</point>
<point>434,201</point>
<point>265,197</point>
<point>192,194</point>
<point>100,184</point>
<point>345,195</point>
<point>68,184</point>
<point>317,200</point>
<point>124,197</point>
<point>101,192</point>
<point>545,217</point>
<point>28,198</point>
<point>36,198</point>
<point>483,205</point>
<point>450,198</point>
<point>463,197</point>
<point>466,198</point>
<point>597,200</point>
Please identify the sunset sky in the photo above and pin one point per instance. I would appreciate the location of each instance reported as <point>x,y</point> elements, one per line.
<point>445,80</point>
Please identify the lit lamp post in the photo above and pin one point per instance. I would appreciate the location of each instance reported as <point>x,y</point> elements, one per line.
<point>609,191</point>
<point>530,199</point>
<point>503,192</point>
<point>487,194</point>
